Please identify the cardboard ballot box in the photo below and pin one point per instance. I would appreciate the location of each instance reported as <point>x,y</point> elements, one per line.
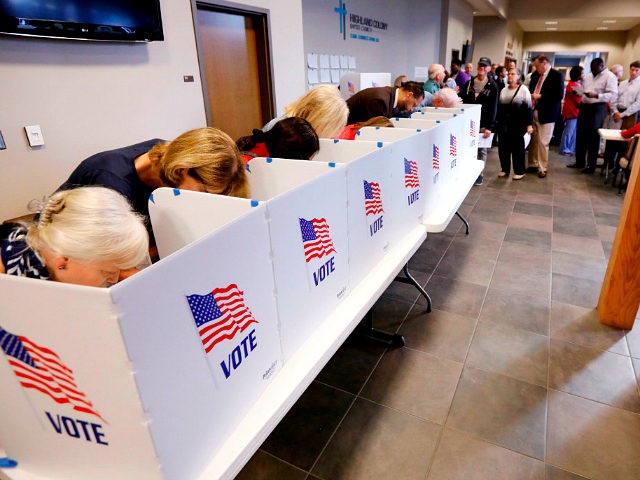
<point>353,82</point>
<point>147,378</point>
<point>307,210</point>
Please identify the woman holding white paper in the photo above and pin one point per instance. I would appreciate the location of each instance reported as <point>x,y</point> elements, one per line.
<point>514,120</point>
<point>85,236</point>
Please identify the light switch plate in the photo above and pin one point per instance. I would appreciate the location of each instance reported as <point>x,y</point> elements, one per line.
<point>34,135</point>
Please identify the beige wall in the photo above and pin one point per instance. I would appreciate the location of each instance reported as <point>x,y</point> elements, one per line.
<point>489,37</point>
<point>90,96</point>
<point>456,28</point>
<point>612,42</point>
<point>632,47</point>
<point>515,36</point>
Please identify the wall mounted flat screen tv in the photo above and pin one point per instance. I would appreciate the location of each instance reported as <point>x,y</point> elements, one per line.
<point>112,20</point>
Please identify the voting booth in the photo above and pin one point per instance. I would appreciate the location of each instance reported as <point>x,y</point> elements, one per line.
<point>182,370</point>
<point>352,82</point>
<point>307,209</point>
<point>147,378</point>
<point>384,182</point>
<point>471,113</point>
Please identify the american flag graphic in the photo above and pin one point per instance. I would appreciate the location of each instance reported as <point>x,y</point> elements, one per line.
<point>42,369</point>
<point>453,146</point>
<point>473,129</point>
<point>436,157</point>
<point>372,201</point>
<point>315,238</point>
<point>411,179</point>
<point>220,315</point>
<point>351,87</point>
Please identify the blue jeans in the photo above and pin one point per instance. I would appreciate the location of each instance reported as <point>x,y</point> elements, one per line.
<point>568,140</point>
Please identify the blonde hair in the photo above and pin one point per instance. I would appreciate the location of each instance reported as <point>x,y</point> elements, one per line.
<point>209,154</point>
<point>448,96</point>
<point>90,224</point>
<point>379,121</point>
<point>323,108</point>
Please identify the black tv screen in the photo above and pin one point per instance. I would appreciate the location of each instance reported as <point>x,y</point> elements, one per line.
<point>115,20</point>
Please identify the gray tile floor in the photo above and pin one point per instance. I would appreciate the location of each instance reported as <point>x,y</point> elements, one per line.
<point>510,377</point>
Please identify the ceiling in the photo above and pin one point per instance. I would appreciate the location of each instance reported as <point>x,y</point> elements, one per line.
<point>590,22</point>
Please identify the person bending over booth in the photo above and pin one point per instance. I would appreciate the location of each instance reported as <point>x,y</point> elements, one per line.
<point>446,98</point>
<point>204,159</point>
<point>376,101</point>
<point>85,236</point>
<point>349,132</point>
<point>322,107</point>
<point>289,138</point>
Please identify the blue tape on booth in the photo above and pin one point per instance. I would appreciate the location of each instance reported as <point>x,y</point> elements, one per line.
<point>269,159</point>
<point>254,203</point>
<point>380,144</point>
<point>332,165</point>
<point>151,198</point>
<point>176,192</point>
<point>8,463</point>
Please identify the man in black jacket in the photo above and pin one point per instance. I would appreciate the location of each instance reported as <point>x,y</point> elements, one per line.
<point>384,101</point>
<point>547,90</point>
<point>484,91</point>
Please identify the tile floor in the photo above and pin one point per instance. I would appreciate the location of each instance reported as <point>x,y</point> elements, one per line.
<point>510,377</point>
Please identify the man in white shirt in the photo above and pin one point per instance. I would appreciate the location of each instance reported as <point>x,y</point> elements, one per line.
<point>600,87</point>
<point>624,112</point>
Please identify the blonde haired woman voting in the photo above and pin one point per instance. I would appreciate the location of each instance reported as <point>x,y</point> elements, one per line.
<point>322,107</point>
<point>85,236</point>
<point>204,159</point>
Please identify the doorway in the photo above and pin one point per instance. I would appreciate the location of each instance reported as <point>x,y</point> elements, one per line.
<point>235,66</point>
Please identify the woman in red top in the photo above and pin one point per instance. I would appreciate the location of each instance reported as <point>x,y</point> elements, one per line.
<point>350,131</point>
<point>291,137</point>
<point>572,99</point>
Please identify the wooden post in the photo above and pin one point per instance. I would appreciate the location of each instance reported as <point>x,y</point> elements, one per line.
<point>620,294</point>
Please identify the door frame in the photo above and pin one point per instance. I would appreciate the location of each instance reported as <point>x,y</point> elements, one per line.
<point>262,21</point>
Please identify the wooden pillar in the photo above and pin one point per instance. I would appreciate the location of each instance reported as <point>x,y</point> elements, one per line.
<point>620,294</point>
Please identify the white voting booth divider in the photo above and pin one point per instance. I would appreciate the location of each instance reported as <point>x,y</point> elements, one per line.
<point>353,82</point>
<point>383,185</point>
<point>307,211</point>
<point>173,396</point>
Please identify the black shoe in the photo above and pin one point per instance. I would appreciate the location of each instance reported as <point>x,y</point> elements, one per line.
<point>588,170</point>
<point>574,165</point>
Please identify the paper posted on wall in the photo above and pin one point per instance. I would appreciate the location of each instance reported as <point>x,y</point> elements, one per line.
<point>485,142</point>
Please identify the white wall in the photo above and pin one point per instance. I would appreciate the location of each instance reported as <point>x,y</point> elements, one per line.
<point>412,37</point>
<point>457,27</point>
<point>90,96</point>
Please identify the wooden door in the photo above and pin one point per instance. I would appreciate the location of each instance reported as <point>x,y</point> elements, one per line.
<point>235,67</point>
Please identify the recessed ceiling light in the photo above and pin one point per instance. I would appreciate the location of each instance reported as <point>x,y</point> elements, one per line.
<point>602,28</point>
<point>551,22</point>
<point>609,21</point>
<point>552,28</point>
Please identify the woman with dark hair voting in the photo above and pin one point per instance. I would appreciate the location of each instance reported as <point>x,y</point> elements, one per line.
<point>204,159</point>
<point>85,236</point>
<point>350,131</point>
<point>514,119</point>
<point>291,137</point>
